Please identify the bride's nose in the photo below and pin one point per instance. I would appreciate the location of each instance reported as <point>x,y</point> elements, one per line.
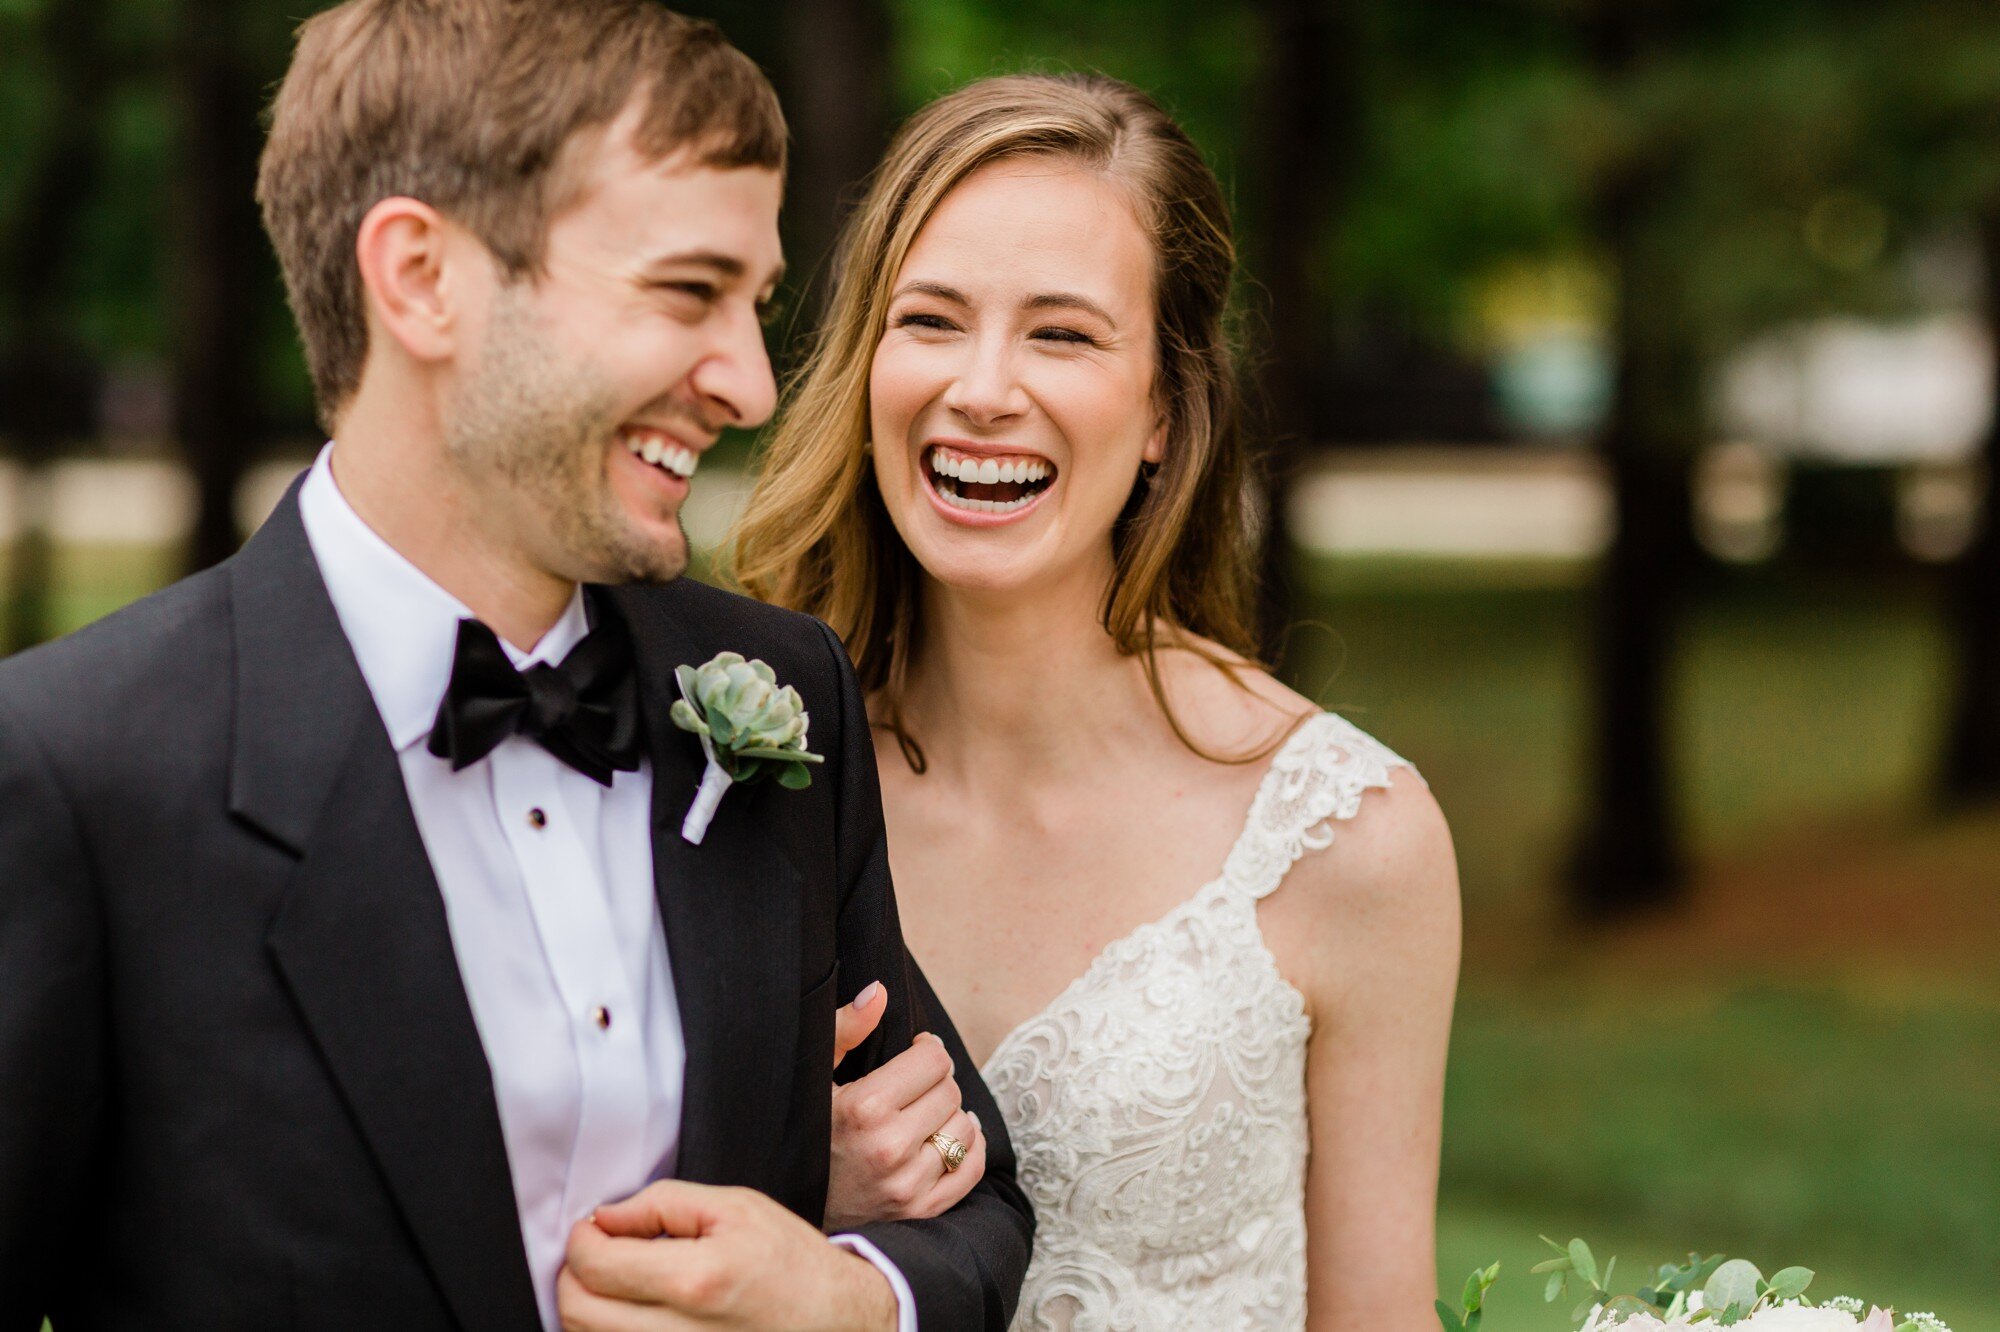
<point>987,389</point>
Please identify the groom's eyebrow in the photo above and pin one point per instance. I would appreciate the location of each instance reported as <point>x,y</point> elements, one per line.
<point>726,266</point>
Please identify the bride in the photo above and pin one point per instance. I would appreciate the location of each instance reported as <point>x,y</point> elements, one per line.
<point>1202,936</point>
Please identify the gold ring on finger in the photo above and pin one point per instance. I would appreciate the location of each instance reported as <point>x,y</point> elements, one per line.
<point>950,1148</point>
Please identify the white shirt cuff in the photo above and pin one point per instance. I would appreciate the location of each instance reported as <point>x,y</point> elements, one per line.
<point>906,1301</point>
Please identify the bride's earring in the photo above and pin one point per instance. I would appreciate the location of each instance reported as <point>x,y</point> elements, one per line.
<point>868,446</point>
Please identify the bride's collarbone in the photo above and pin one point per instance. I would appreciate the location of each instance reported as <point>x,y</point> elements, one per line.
<point>1144,833</point>
<point>1007,903</point>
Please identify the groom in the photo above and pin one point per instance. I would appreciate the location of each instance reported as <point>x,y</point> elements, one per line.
<point>351,955</point>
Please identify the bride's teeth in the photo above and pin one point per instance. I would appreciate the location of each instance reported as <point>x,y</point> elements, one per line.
<point>988,472</point>
<point>653,451</point>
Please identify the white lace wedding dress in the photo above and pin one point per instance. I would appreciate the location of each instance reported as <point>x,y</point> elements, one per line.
<point>1158,1105</point>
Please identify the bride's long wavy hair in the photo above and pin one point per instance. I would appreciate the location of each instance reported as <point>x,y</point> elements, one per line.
<point>816,536</point>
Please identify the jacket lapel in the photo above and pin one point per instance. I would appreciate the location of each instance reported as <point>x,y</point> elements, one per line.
<point>731,908</point>
<point>361,938</point>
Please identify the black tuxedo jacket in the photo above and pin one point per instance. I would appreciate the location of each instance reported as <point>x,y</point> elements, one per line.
<point>240,1084</point>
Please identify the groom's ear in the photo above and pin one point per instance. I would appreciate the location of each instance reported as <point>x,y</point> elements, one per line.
<point>404,249</point>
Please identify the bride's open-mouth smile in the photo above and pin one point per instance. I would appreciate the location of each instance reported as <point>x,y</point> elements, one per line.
<point>984,485</point>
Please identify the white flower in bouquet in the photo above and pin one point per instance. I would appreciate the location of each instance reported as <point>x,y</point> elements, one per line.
<point>1773,1318</point>
<point>1814,1318</point>
<point>1702,1293</point>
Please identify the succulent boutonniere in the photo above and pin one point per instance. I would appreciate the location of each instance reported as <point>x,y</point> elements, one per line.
<point>749,727</point>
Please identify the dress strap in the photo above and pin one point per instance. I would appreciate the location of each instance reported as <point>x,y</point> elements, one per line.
<point>1316,778</point>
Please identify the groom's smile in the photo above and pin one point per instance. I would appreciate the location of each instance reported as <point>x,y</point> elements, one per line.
<point>648,313</point>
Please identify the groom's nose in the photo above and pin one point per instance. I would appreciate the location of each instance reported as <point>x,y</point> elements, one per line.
<point>734,379</point>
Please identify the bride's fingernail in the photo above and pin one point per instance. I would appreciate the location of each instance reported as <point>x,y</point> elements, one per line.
<point>867,995</point>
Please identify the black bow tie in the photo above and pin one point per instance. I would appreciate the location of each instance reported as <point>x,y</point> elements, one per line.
<point>585,711</point>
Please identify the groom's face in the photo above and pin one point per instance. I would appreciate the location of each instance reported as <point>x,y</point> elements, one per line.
<point>586,394</point>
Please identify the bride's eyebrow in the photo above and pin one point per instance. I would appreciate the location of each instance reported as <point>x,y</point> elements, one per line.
<point>1068,300</point>
<point>937,289</point>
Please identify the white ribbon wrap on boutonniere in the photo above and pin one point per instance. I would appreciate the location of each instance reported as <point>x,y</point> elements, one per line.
<point>749,726</point>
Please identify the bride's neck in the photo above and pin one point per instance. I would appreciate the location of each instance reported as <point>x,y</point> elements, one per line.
<point>1009,686</point>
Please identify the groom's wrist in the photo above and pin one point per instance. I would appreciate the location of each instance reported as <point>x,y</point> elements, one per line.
<point>873,1298</point>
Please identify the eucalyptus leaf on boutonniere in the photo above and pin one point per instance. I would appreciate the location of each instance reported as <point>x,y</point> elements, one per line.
<point>749,726</point>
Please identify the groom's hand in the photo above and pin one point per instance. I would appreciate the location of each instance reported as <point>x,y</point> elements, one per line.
<point>684,1256</point>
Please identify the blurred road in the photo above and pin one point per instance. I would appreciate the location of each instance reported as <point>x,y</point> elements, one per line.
<point>1424,502</point>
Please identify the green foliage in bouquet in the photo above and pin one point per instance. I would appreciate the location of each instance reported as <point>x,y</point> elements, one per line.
<point>1719,1290</point>
<point>1474,1300</point>
<point>752,726</point>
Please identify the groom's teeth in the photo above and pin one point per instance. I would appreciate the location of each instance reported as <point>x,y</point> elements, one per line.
<point>662,452</point>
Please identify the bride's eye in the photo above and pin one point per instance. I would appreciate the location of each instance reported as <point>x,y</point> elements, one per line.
<point>915,319</point>
<point>1057,333</point>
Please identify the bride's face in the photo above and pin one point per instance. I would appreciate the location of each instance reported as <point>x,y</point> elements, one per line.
<point>1011,395</point>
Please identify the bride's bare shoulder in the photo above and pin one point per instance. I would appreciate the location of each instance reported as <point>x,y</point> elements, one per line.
<point>1378,902</point>
<point>1387,883</point>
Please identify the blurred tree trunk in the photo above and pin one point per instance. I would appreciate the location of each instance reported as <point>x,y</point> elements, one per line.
<point>221,268</point>
<point>48,378</point>
<point>1972,748</point>
<point>1630,854</point>
<point>1302,166</point>
<point>838,79</point>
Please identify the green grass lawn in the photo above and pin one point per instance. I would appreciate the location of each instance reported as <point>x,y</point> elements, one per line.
<point>1842,1127</point>
<point>1832,1109</point>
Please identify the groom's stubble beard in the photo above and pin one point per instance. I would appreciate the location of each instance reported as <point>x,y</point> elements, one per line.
<point>525,422</point>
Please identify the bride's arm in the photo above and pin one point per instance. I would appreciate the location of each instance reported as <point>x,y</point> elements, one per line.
<point>1381,907</point>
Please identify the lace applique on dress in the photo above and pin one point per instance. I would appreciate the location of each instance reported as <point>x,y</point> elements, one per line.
<point>1158,1106</point>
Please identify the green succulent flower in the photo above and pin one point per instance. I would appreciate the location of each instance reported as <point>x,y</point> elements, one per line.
<point>753,725</point>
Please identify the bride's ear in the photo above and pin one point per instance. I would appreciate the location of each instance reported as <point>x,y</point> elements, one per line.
<point>403,249</point>
<point>1156,443</point>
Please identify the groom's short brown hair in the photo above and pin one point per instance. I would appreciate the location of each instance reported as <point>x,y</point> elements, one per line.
<point>469,106</point>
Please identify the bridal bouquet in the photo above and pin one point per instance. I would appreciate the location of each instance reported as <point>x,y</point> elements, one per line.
<point>1681,1297</point>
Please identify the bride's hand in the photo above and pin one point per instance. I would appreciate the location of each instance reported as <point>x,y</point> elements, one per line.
<point>885,1168</point>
